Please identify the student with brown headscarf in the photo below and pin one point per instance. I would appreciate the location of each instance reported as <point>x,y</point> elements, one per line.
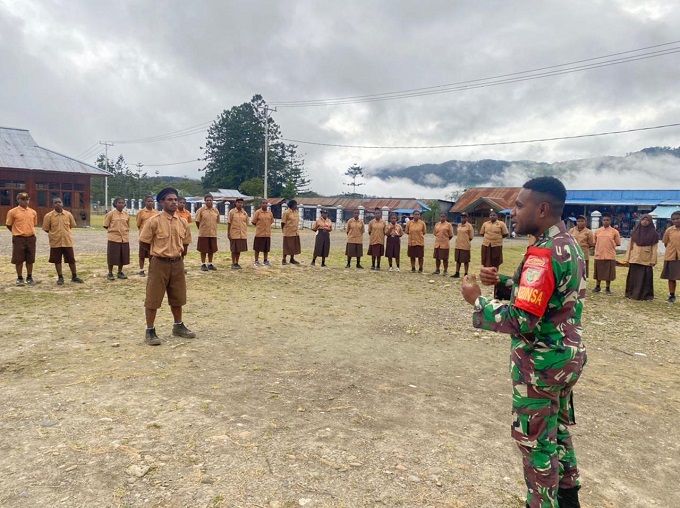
<point>641,258</point>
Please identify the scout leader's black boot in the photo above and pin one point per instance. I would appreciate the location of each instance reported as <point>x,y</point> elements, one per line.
<point>568,498</point>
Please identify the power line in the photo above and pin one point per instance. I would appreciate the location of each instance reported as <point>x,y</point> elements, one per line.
<point>171,163</point>
<point>496,143</point>
<point>168,135</point>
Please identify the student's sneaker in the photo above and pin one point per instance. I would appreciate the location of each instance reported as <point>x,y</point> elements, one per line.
<point>359,267</point>
<point>377,268</point>
<point>30,281</point>
<point>256,264</point>
<point>456,275</point>
<point>76,279</point>
<point>150,338</point>
<point>436,272</point>
<point>313,263</point>
<point>121,275</point>
<point>235,266</point>
<point>20,281</point>
<point>323,265</point>
<point>373,268</point>
<point>607,291</point>
<point>110,276</point>
<point>294,262</point>
<point>390,269</point>
<point>420,270</point>
<point>179,330</point>
<point>141,273</point>
<point>597,289</point>
<point>60,281</point>
<point>284,262</point>
<point>204,268</point>
<point>398,270</point>
<point>413,270</point>
<point>348,265</point>
<point>212,268</point>
<point>671,299</point>
<point>267,263</point>
<point>445,273</point>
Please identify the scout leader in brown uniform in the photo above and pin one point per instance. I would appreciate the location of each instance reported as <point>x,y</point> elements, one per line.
<point>416,229</point>
<point>585,239</point>
<point>443,232</point>
<point>463,245</point>
<point>58,225</point>
<point>376,238</point>
<point>117,225</point>
<point>21,221</point>
<point>291,238</point>
<point>493,232</point>
<point>207,218</point>
<point>142,216</point>
<point>263,219</point>
<point>322,244</point>
<point>165,235</point>
<point>237,232</point>
<point>355,228</point>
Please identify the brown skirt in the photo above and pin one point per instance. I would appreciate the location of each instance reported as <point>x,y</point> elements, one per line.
<point>238,246</point>
<point>671,270</point>
<point>291,245</point>
<point>461,255</point>
<point>605,269</point>
<point>322,244</point>
<point>354,250</point>
<point>207,244</point>
<point>376,250</point>
<point>118,253</point>
<point>640,282</point>
<point>262,244</point>
<point>416,251</point>
<point>393,247</point>
<point>492,256</point>
<point>441,254</point>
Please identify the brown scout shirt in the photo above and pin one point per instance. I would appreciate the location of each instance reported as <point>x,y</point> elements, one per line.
<point>144,215</point>
<point>393,231</point>
<point>290,221</point>
<point>416,232</point>
<point>671,239</point>
<point>238,224</point>
<point>323,224</point>
<point>207,219</point>
<point>185,214</point>
<point>355,230</point>
<point>376,232</point>
<point>23,221</point>
<point>466,232</point>
<point>263,223</point>
<point>606,240</point>
<point>442,235</point>
<point>585,239</point>
<point>167,234</point>
<point>493,233</point>
<point>58,228</point>
<point>118,224</point>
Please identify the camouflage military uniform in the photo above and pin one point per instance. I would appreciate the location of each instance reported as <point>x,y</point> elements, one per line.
<point>547,357</point>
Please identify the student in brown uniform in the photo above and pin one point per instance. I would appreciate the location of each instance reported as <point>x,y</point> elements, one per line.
<point>117,225</point>
<point>237,232</point>
<point>166,234</point>
<point>58,225</point>
<point>443,232</point>
<point>463,245</point>
<point>207,218</point>
<point>290,226</point>
<point>186,215</point>
<point>322,244</point>
<point>493,232</point>
<point>21,221</point>
<point>144,215</point>
<point>607,239</point>
<point>376,238</point>
<point>585,239</point>
<point>394,232</point>
<point>416,230</point>
<point>641,257</point>
<point>355,240</point>
<point>671,260</point>
<point>263,219</point>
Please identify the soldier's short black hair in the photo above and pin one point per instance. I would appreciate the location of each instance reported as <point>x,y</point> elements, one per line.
<point>554,191</point>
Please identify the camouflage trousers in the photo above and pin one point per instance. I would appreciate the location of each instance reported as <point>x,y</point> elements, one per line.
<point>541,431</point>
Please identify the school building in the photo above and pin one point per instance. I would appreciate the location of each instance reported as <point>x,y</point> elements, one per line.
<point>44,174</point>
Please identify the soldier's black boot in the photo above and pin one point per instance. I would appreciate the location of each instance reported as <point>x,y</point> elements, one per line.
<point>568,498</point>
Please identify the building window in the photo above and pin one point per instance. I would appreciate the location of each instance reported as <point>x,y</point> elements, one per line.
<point>66,198</point>
<point>5,197</point>
<point>42,198</point>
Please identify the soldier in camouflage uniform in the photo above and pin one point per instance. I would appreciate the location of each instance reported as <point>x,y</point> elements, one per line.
<point>543,319</point>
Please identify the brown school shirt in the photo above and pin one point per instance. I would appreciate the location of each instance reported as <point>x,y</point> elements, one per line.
<point>323,224</point>
<point>207,220</point>
<point>118,224</point>
<point>238,224</point>
<point>585,239</point>
<point>606,240</point>
<point>671,239</point>
<point>185,214</point>
<point>290,222</point>
<point>394,230</point>
<point>376,232</point>
<point>58,228</point>
<point>493,233</point>
<point>263,223</point>
<point>355,231</point>
<point>466,232</point>
<point>416,232</point>
<point>144,215</point>
<point>443,232</point>
<point>167,234</point>
<point>23,221</point>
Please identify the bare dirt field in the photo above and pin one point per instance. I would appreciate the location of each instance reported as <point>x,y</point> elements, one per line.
<point>309,387</point>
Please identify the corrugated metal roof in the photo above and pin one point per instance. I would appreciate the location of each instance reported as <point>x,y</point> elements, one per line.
<point>229,194</point>
<point>18,150</point>
<point>621,197</point>
<point>367,203</point>
<point>499,198</point>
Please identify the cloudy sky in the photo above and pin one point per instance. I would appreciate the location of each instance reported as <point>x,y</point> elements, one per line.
<point>76,72</point>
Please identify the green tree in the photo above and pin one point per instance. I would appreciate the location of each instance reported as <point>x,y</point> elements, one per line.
<point>252,187</point>
<point>123,181</point>
<point>432,215</point>
<point>355,171</point>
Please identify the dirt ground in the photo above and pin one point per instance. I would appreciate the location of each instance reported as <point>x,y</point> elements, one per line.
<point>309,387</point>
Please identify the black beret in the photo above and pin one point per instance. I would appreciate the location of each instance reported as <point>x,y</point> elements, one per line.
<point>168,190</point>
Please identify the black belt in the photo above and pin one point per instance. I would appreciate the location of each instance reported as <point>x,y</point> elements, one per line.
<point>168,260</point>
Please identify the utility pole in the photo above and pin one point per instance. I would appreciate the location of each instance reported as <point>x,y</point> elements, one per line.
<point>106,178</point>
<point>139,178</point>
<point>266,146</point>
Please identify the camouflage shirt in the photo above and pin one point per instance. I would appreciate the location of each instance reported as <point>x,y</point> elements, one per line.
<point>546,349</point>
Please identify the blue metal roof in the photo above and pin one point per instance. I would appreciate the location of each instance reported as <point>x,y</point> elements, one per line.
<point>622,197</point>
